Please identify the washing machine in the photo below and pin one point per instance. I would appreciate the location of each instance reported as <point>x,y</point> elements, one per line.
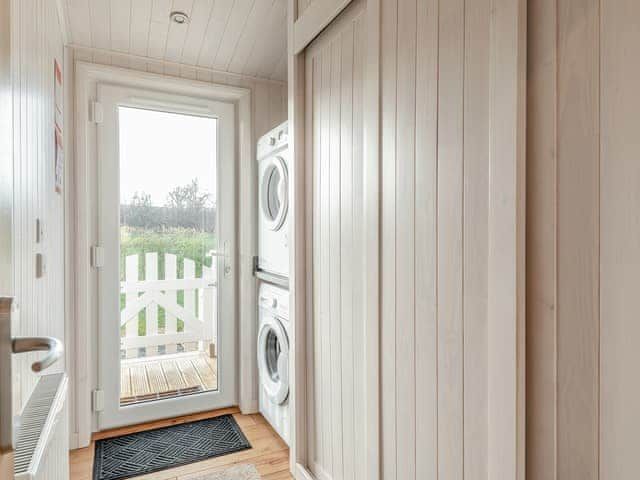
<point>273,193</point>
<point>273,357</point>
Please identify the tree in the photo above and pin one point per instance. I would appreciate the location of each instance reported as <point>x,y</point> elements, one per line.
<point>188,197</point>
<point>188,207</point>
<point>140,212</point>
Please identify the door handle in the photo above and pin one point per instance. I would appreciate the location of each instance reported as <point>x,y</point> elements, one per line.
<point>39,344</point>
<point>225,255</point>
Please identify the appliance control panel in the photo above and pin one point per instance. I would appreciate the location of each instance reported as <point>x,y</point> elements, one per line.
<point>274,299</point>
<point>274,140</point>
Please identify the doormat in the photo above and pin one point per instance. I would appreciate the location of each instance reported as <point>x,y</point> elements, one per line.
<point>140,453</point>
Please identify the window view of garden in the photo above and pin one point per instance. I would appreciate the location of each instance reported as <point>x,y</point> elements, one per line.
<point>184,226</point>
<point>168,239</point>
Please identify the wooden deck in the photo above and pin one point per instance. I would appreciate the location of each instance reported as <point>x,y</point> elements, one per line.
<point>152,378</point>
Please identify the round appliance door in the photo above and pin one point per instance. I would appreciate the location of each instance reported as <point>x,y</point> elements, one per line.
<point>273,360</point>
<point>274,192</point>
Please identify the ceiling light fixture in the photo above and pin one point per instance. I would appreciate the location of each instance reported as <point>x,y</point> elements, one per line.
<point>179,17</point>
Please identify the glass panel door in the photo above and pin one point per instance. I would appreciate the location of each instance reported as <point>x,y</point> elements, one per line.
<point>166,219</point>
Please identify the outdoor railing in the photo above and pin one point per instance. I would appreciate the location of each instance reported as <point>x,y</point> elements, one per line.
<point>196,313</point>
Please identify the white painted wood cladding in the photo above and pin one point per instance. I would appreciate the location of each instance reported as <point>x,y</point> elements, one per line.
<point>451,245</point>
<point>444,209</point>
<point>435,162</point>
<point>240,36</point>
<point>583,253</point>
<point>334,106</point>
<point>36,42</point>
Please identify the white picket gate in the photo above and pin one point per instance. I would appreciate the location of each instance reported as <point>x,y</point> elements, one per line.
<point>150,292</point>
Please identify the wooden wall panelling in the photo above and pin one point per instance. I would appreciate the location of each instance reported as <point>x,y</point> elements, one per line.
<point>506,259</point>
<point>563,240</point>
<point>405,241</point>
<point>477,61</point>
<point>36,42</point>
<point>619,230</point>
<point>434,238</point>
<point>6,235</point>
<point>450,238</point>
<point>388,86</point>
<point>583,261</point>
<point>577,236</point>
<point>426,157</point>
<point>542,308</point>
<point>334,87</point>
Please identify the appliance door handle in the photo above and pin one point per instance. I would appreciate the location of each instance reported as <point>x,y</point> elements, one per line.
<point>37,344</point>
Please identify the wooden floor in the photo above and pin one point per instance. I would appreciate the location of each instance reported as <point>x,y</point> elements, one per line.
<point>144,379</point>
<point>269,454</point>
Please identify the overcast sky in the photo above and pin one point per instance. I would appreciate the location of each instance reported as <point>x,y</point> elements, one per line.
<point>160,151</point>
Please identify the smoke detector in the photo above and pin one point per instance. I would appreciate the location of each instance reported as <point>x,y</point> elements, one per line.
<point>179,17</point>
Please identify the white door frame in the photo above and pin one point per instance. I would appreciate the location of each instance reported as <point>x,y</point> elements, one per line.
<point>84,225</point>
<point>112,415</point>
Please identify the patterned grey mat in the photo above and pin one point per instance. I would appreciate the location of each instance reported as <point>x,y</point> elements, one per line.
<point>145,452</point>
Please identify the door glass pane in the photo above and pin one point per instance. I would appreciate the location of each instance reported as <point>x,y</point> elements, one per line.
<point>273,195</point>
<point>168,275</point>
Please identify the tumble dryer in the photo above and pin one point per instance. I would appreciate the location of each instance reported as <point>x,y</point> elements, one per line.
<point>273,193</point>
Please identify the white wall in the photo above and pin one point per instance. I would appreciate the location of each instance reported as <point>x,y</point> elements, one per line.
<point>36,42</point>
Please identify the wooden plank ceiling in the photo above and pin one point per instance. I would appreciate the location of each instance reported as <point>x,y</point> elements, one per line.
<point>240,36</point>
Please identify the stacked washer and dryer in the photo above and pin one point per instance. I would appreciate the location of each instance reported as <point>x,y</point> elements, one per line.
<point>273,270</point>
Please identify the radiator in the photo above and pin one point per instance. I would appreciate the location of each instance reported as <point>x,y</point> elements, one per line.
<point>42,443</point>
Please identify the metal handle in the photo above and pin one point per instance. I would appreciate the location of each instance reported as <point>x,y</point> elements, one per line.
<point>36,344</point>
<point>225,255</point>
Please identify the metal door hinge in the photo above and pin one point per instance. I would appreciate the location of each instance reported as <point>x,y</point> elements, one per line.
<point>97,256</point>
<point>96,112</point>
<point>97,400</point>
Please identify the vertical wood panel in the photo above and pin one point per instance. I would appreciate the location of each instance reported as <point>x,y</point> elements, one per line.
<point>577,236</point>
<point>36,42</point>
<point>347,271</point>
<point>563,240</point>
<point>359,319</point>
<point>505,264</point>
<point>541,241</point>
<point>388,237</point>
<point>476,186</point>
<point>334,86</point>
<point>450,237</point>
<point>335,279</point>
<point>325,299</point>
<point>620,230</point>
<point>426,331</point>
<point>405,241</point>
